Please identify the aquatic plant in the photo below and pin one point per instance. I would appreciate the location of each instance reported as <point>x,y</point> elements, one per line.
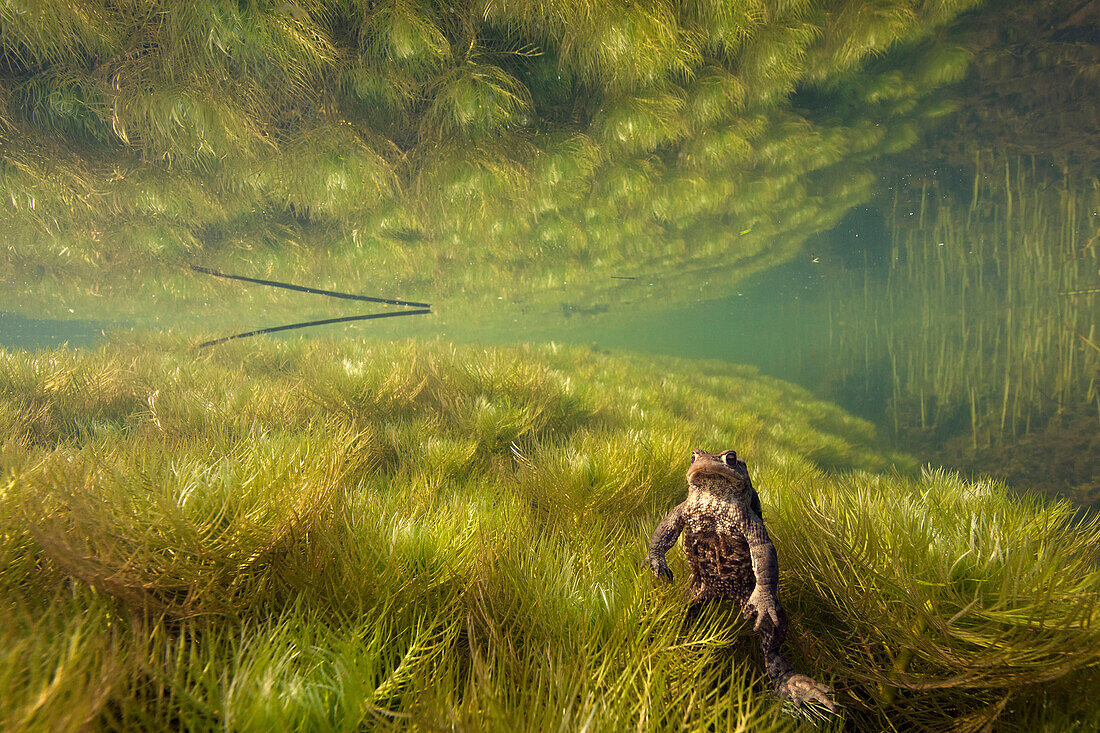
<point>399,535</point>
<point>971,314</point>
<point>425,146</point>
<point>984,312</point>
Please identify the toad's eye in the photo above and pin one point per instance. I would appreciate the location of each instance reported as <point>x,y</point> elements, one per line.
<point>730,459</point>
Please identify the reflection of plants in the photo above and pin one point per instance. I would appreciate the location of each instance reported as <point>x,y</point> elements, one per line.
<point>985,309</point>
<point>321,535</point>
<point>1033,87</point>
<point>508,141</point>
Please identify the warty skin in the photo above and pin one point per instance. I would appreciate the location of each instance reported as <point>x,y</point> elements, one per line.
<point>732,557</point>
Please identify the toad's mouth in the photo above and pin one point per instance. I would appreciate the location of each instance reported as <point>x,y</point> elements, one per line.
<point>716,469</point>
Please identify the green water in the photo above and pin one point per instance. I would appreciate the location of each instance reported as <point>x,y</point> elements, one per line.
<point>19,332</point>
<point>795,321</point>
<point>858,242</point>
<point>775,321</point>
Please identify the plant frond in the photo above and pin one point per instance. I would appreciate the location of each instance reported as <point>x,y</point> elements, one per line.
<point>473,100</point>
<point>639,122</point>
<point>330,170</point>
<point>397,32</point>
<point>49,32</point>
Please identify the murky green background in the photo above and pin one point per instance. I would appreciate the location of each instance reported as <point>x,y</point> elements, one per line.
<point>858,241</point>
<point>896,208</point>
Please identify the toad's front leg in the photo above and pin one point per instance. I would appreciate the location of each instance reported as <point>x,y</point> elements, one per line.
<point>763,602</point>
<point>664,537</point>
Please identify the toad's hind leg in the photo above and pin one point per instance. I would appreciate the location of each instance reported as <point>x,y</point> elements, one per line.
<point>788,684</point>
<point>771,639</point>
<point>698,595</point>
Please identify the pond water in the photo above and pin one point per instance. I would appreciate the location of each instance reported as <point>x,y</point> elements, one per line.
<point>787,322</point>
<point>868,232</point>
<point>20,332</point>
<point>906,224</point>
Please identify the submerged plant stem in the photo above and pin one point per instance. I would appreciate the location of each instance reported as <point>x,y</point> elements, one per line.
<point>312,291</point>
<point>308,324</point>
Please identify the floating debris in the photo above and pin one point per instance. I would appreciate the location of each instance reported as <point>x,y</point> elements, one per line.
<point>312,291</point>
<point>422,308</point>
<point>308,324</point>
<point>569,310</point>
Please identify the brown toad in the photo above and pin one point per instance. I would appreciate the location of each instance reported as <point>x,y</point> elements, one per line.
<point>732,557</point>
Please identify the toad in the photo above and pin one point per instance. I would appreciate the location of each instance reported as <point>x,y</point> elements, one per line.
<point>732,557</point>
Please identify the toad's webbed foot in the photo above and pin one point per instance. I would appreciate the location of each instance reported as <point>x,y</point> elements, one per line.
<point>659,568</point>
<point>800,689</point>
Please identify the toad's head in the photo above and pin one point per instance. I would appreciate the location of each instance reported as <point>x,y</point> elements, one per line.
<point>718,473</point>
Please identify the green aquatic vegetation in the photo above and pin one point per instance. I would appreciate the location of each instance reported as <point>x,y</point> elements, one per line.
<point>623,46</point>
<point>716,95</point>
<point>59,33</point>
<point>950,589</point>
<point>64,100</point>
<point>424,146</point>
<point>984,308</point>
<point>639,123</point>
<point>402,33</point>
<point>416,534</point>
<point>330,171</point>
<point>474,100</point>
